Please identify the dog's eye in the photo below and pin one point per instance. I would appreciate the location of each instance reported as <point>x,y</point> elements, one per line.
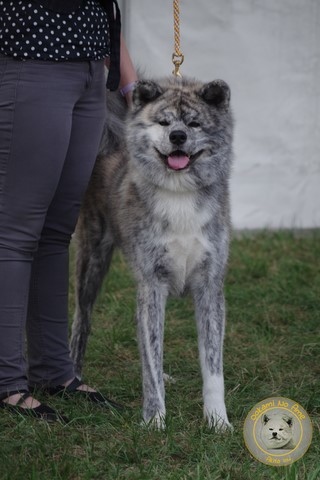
<point>194,124</point>
<point>271,429</point>
<point>280,429</point>
<point>164,123</point>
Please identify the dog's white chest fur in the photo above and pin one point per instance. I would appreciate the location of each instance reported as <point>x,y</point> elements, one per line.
<point>184,239</point>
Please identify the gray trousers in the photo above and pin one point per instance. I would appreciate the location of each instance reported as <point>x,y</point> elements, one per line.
<point>51,121</point>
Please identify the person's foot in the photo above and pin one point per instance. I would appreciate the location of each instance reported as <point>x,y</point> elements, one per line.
<point>23,403</point>
<point>76,387</point>
<point>17,399</point>
<point>82,387</point>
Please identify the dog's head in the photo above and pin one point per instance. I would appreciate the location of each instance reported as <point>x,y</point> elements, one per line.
<point>277,430</point>
<point>180,132</point>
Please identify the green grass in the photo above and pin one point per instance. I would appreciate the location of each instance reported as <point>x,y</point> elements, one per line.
<point>272,348</point>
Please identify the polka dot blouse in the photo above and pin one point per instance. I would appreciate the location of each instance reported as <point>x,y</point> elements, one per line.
<point>28,30</point>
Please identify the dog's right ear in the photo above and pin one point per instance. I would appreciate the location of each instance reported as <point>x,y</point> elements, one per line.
<point>145,91</point>
<point>265,419</point>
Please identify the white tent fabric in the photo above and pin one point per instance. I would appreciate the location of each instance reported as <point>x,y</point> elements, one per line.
<point>269,53</point>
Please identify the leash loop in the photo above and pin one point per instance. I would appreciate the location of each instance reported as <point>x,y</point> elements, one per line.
<point>177,56</point>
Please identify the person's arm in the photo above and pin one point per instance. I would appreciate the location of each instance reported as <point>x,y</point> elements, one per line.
<point>128,75</point>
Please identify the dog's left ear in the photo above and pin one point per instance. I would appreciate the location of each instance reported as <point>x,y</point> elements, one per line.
<point>216,93</point>
<point>288,420</point>
<point>265,419</point>
<point>144,92</point>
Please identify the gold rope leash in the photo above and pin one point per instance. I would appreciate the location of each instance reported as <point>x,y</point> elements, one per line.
<point>177,56</point>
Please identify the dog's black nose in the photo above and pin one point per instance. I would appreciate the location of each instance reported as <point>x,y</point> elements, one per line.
<point>178,137</point>
<point>274,434</point>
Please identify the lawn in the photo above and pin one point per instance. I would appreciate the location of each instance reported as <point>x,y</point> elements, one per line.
<point>272,348</point>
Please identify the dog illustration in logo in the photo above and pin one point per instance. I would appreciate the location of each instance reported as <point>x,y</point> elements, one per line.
<point>277,431</point>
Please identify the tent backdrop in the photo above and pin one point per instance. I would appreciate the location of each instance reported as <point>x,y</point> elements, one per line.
<point>269,53</point>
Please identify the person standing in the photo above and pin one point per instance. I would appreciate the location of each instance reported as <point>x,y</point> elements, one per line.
<point>52,112</point>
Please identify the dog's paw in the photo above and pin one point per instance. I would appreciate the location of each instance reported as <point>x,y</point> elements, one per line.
<point>218,420</point>
<point>220,425</point>
<point>157,422</point>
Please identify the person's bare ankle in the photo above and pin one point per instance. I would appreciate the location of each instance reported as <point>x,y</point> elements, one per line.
<point>29,402</point>
<point>83,387</point>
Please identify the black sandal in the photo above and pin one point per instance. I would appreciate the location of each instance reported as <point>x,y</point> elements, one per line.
<point>42,412</point>
<point>72,389</point>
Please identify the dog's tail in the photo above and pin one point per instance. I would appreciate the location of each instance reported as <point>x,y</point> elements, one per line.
<point>113,133</point>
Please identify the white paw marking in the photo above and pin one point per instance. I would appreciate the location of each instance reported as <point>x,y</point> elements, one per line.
<point>158,422</point>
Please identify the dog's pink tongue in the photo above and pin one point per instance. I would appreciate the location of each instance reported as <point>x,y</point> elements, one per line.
<point>178,162</point>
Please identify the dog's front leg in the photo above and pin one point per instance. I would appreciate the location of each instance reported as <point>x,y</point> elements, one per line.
<point>151,300</point>
<point>210,317</point>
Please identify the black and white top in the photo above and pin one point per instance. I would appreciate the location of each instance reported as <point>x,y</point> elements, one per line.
<point>28,30</point>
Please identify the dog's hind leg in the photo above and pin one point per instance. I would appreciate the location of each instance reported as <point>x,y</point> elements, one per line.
<point>210,317</point>
<point>94,253</point>
<point>151,300</point>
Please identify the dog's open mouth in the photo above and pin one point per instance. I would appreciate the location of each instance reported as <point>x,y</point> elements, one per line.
<point>178,159</point>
